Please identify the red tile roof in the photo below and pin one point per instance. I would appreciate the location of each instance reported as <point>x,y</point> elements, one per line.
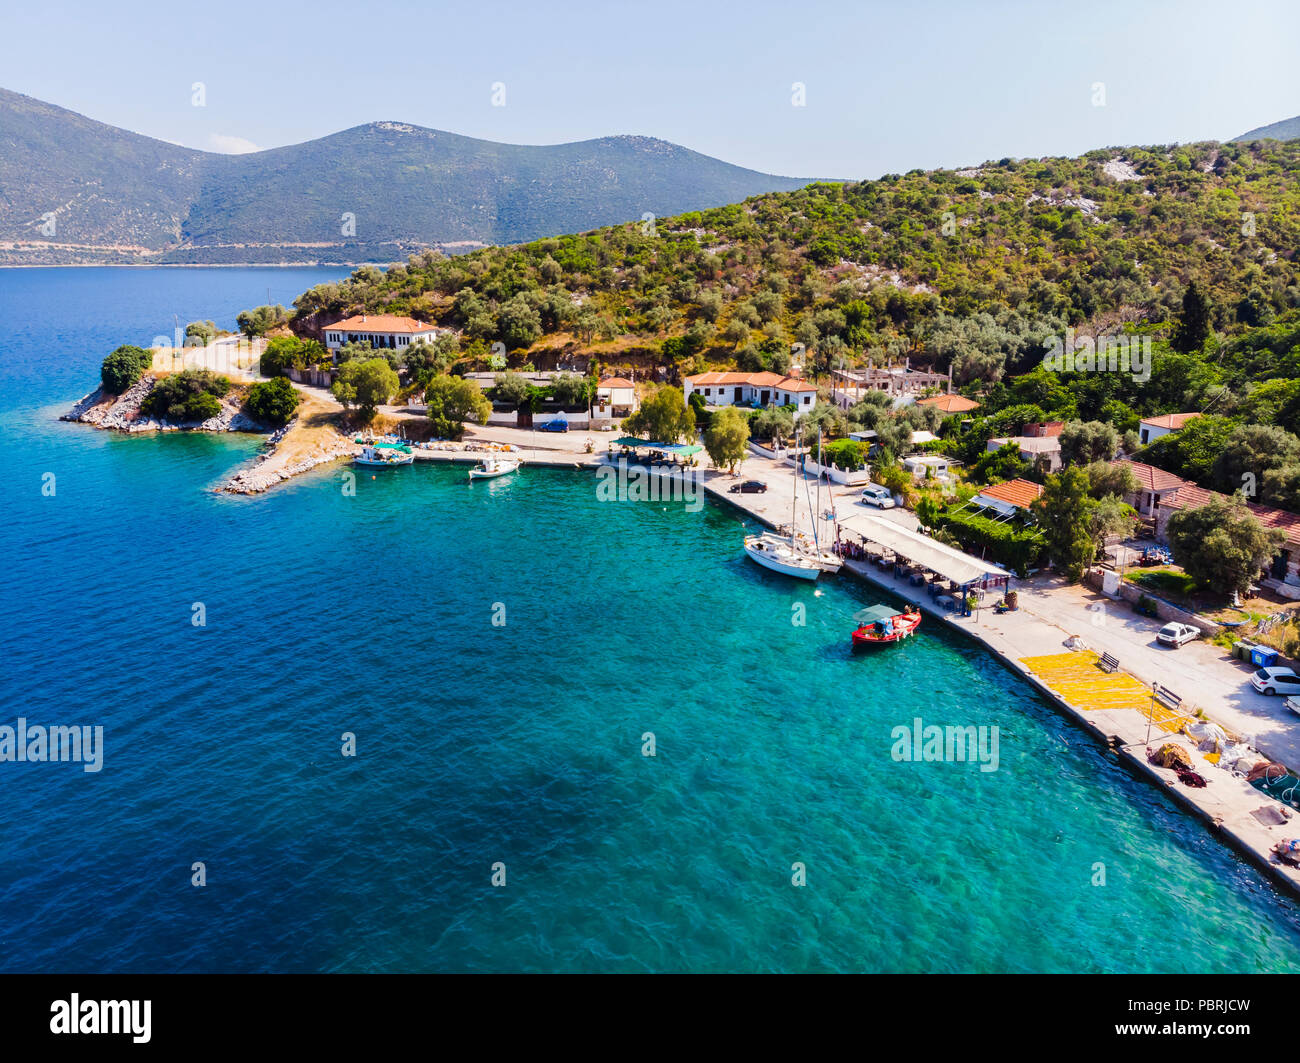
<point>1019,493</point>
<point>381,323</point>
<point>615,382</point>
<point>1152,479</point>
<point>949,403</point>
<point>757,380</point>
<point>1193,497</point>
<point>1169,420</point>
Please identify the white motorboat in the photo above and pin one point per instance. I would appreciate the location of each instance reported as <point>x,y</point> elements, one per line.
<point>775,552</point>
<point>489,468</point>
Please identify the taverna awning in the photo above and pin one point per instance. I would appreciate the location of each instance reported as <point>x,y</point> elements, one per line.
<point>949,562</point>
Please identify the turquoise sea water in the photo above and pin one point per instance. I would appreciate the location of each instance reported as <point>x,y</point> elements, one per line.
<point>518,744</point>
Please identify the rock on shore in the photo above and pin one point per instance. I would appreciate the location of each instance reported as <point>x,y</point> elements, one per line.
<point>123,413</point>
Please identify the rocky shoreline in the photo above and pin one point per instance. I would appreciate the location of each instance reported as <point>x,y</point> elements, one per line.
<point>289,451</point>
<point>274,466</point>
<point>124,413</point>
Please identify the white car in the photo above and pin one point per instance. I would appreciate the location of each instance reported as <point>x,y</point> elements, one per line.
<point>875,495</point>
<point>1176,634</point>
<point>1276,680</point>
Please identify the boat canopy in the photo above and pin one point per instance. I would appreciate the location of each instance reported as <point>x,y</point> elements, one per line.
<point>874,614</point>
<point>952,564</point>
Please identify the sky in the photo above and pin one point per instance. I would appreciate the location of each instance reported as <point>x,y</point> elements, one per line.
<point>838,90</point>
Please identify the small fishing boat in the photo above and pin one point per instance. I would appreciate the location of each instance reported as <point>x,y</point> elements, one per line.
<point>385,454</point>
<point>879,624</point>
<point>490,468</point>
<point>775,552</point>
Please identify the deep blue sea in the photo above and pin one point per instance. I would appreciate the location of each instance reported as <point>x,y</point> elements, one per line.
<point>518,745</point>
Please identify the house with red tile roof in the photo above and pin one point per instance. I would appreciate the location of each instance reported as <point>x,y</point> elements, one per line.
<point>752,389</point>
<point>1006,498</point>
<point>1153,485</point>
<point>615,399</point>
<point>1152,428</point>
<point>1285,566</point>
<point>379,330</point>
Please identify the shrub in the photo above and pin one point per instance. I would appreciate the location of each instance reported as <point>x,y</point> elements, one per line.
<point>188,396</point>
<point>1019,549</point>
<point>272,402</point>
<point>123,368</point>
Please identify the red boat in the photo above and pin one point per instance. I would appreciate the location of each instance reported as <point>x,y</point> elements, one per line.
<point>879,624</point>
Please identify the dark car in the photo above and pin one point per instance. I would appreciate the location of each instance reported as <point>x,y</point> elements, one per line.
<point>554,426</point>
<point>748,487</point>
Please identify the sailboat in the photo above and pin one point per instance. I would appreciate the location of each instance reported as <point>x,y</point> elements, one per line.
<point>787,554</point>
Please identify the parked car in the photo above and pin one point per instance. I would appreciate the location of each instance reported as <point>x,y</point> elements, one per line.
<point>748,487</point>
<point>875,495</point>
<point>554,426</point>
<point>1276,680</point>
<point>1176,634</point>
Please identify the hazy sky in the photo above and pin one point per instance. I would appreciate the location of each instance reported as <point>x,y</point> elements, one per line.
<point>888,86</point>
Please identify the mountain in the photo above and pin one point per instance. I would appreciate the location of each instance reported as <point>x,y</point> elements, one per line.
<point>1287,129</point>
<point>376,192</point>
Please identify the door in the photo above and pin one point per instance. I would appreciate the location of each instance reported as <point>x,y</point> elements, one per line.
<point>1280,563</point>
<point>764,398</point>
<point>739,396</point>
<point>525,418</point>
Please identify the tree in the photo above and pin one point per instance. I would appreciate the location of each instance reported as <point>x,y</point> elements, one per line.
<point>665,417</point>
<point>1083,442</point>
<point>123,368</point>
<point>511,388</point>
<point>772,424</point>
<point>727,438</point>
<point>204,332</point>
<point>272,402</point>
<point>365,385</point>
<point>1065,515</point>
<point>1221,545</point>
<point>452,401</point>
<point>1251,451</point>
<point>1106,478</point>
<point>1193,326</point>
<point>283,353</point>
<point>572,390</point>
<point>995,466</point>
<point>519,323</point>
<point>260,321</point>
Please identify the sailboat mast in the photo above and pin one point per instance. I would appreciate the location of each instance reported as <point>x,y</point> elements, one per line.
<point>794,485</point>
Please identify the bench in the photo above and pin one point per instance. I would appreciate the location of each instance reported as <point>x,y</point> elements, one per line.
<point>1108,663</point>
<point>1168,698</point>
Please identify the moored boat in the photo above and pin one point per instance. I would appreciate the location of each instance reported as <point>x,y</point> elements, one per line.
<point>386,454</point>
<point>775,552</point>
<point>489,468</point>
<point>881,624</point>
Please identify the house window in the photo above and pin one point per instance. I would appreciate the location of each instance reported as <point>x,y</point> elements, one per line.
<point>807,399</point>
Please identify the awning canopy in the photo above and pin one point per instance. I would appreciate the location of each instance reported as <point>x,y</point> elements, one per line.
<point>685,449</point>
<point>668,448</point>
<point>874,614</point>
<point>950,563</point>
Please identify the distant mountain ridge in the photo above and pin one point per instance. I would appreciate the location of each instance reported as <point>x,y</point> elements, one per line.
<point>1287,129</point>
<point>74,190</point>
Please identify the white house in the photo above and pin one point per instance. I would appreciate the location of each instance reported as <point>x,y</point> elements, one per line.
<point>379,330</point>
<point>752,389</point>
<point>1152,428</point>
<point>615,398</point>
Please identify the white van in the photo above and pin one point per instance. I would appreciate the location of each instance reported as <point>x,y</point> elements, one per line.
<point>875,495</point>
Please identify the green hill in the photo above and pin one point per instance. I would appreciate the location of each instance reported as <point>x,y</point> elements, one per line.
<point>1287,129</point>
<point>121,197</point>
<point>969,267</point>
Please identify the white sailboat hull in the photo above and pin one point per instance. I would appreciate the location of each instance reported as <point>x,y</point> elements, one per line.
<point>775,554</point>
